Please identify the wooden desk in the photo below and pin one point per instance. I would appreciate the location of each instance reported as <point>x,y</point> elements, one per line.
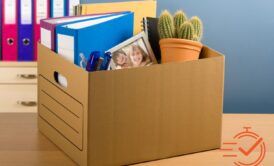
<point>21,144</point>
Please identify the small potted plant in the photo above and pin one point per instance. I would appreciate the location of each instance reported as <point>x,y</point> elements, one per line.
<point>180,37</point>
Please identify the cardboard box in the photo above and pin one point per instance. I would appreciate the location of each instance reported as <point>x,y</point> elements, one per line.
<point>135,115</point>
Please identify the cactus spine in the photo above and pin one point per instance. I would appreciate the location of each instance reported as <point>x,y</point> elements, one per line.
<point>186,31</point>
<point>179,18</point>
<point>195,38</point>
<point>166,25</point>
<point>198,27</point>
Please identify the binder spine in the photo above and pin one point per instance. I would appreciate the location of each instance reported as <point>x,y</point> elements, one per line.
<point>77,10</point>
<point>25,30</point>
<point>1,20</point>
<point>70,7</point>
<point>9,30</point>
<point>41,11</point>
<point>58,8</point>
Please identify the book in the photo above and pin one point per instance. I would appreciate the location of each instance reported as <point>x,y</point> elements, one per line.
<point>150,26</point>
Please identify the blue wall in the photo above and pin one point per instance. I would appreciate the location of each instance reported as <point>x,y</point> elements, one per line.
<point>244,32</point>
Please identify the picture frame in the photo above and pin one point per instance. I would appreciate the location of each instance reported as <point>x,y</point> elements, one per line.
<point>134,52</point>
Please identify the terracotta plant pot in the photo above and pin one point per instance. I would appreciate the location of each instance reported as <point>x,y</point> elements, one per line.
<point>179,50</point>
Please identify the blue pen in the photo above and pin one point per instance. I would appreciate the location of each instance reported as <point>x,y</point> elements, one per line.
<point>93,60</point>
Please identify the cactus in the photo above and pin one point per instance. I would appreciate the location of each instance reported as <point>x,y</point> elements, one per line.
<point>179,26</point>
<point>198,27</point>
<point>186,31</point>
<point>179,18</point>
<point>195,38</point>
<point>166,25</point>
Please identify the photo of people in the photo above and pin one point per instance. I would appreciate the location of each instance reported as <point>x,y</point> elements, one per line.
<point>134,54</point>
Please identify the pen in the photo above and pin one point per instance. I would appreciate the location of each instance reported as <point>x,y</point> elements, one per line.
<point>93,60</point>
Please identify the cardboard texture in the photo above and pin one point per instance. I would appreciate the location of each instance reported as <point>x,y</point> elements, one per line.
<point>135,115</point>
<point>141,9</point>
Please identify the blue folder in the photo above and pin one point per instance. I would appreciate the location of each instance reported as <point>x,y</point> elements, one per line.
<point>25,31</point>
<point>76,41</point>
<point>58,8</point>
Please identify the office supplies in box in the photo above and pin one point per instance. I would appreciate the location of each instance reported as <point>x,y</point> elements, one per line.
<point>129,116</point>
<point>99,34</point>
<point>141,9</point>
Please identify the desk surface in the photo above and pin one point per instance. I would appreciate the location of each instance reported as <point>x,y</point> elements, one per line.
<point>22,145</point>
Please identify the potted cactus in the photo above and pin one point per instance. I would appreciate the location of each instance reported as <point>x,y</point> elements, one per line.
<point>180,37</point>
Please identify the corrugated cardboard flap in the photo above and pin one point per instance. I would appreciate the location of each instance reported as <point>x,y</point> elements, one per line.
<point>77,78</point>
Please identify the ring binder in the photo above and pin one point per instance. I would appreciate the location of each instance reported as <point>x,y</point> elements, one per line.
<point>41,11</point>
<point>9,30</point>
<point>25,30</point>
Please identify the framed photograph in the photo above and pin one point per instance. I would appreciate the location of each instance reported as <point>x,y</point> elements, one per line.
<point>134,52</point>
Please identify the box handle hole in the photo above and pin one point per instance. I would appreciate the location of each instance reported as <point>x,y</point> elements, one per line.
<point>60,79</point>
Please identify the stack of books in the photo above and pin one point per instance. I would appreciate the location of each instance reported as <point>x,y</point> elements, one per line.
<point>20,25</point>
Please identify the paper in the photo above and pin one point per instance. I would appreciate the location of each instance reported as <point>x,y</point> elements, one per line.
<point>58,8</point>
<point>46,37</point>
<point>66,47</point>
<point>91,22</point>
<point>79,18</point>
<point>10,11</point>
<point>26,11</point>
<point>41,10</point>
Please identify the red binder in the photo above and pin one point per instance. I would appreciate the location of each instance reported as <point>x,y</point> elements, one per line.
<point>9,30</point>
<point>41,11</point>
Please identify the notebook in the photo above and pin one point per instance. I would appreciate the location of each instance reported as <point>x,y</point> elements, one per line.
<point>150,26</point>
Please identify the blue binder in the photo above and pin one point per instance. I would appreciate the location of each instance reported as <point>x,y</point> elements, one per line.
<point>25,30</point>
<point>58,8</point>
<point>76,41</point>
